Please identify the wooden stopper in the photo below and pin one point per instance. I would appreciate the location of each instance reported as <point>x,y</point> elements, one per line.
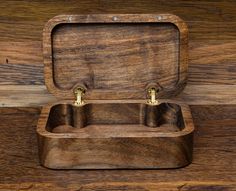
<point>153,115</point>
<point>79,117</point>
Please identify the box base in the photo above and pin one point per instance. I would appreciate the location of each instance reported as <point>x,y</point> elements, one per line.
<point>115,136</point>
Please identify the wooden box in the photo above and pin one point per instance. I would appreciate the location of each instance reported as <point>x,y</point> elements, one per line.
<point>112,74</point>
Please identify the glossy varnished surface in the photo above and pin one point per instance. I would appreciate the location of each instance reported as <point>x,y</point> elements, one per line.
<point>213,164</point>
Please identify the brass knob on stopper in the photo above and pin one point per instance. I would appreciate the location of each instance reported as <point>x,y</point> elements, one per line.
<point>152,96</point>
<point>79,92</point>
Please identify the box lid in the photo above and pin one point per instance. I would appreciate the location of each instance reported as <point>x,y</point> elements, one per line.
<point>115,56</point>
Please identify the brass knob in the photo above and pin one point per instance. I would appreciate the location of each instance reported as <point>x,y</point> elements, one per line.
<point>79,92</point>
<point>152,96</point>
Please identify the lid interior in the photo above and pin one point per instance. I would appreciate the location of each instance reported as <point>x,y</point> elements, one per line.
<point>113,60</point>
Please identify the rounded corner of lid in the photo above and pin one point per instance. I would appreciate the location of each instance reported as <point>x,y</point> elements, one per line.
<point>178,22</point>
<point>53,22</point>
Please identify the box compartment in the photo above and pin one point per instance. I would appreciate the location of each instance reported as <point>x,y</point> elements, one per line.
<point>116,59</point>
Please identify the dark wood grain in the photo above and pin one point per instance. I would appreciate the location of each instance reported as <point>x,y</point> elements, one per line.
<point>213,164</point>
<point>115,57</point>
<point>212,59</point>
<point>115,136</point>
<point>211,29</point>
<point>34,95</point>
<point>215,19</point>
<point>121,50</point>
<point>211,62</point>
<point>107,55</point>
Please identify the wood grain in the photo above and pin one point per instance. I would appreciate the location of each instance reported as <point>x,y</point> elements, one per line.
<point>100,56</point>
<point>115,58</point>
<point>107,55</point>
<point>124,186</point>
<point>115,136</point>
<point>34,95</point>
<point>219,15</point>
<point>213,166</point>
<point>211,62</point>
<point>211,81</point>
<point>211,30</point>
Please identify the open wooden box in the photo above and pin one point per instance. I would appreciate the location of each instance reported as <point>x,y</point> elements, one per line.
<point>111,73</point>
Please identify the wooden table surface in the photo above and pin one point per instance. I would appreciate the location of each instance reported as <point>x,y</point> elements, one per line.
<point>211,92</point>
<point>213,167</point>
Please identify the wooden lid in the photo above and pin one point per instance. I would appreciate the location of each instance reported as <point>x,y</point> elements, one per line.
<point>115,56</point>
